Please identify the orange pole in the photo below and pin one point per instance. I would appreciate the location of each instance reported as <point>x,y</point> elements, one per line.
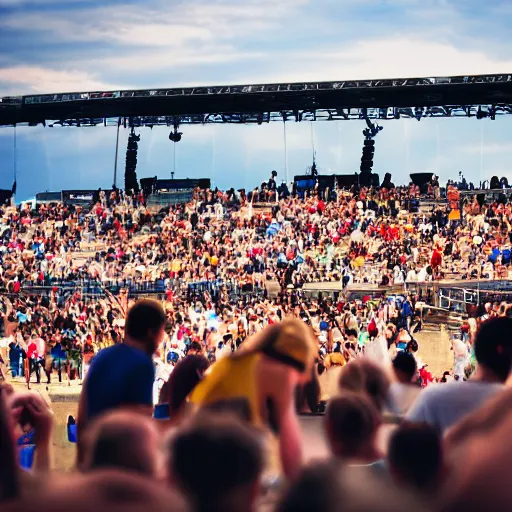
<point>27,371</point>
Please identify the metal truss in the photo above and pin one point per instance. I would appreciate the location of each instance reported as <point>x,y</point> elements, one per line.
<point>463,96</point>
<point>379,114</point>
<point>262,88</point>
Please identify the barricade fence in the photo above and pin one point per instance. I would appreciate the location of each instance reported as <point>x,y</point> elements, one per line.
<point>134,288</point>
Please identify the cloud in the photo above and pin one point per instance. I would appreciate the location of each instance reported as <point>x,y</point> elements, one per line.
<point>156,37</point>
<point>253,41</point>
<point>155,24</point>
<point>384,58</point>
<point>37,80</point>
<point>165,59</point>
<point>38,3</point>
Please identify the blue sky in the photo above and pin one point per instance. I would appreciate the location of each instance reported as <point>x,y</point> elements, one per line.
<point>77,45</point>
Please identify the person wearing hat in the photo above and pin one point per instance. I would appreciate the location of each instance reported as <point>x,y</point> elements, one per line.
<point>266,370</point>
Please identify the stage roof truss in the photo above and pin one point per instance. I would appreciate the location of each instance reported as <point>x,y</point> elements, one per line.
<point>461,96</point>
<point>382,114</point>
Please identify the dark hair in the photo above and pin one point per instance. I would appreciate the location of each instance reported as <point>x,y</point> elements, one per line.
<point>412,346</point>
<point>144,316</point>
<point>327,487</point>
<point>213,457</point>
<point>493,346</point>
<point>365,376</point>
<point>183,379</point>
<point>352,420</point>
<point>309,393</point>
<point>415,455</point>
<point>195,345</point>
<point>317,488</point>
<point>405,363</point>
<point>116,441</point>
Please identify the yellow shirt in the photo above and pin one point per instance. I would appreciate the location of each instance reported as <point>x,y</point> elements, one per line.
<point>230,384</point>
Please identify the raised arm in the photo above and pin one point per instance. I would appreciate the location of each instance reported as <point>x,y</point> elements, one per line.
<point>280,386</point>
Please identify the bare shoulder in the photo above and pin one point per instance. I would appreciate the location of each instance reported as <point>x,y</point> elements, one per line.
<point>274,378</point>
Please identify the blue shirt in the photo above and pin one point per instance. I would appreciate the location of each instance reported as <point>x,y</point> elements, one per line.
<point>118,376</point>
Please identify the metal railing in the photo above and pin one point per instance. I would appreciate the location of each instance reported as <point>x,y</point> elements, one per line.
<point>98,288</point>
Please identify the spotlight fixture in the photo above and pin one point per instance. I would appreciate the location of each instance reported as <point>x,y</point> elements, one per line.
<point>175,135</point>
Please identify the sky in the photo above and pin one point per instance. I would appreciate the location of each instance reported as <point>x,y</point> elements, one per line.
<point>83,45</point>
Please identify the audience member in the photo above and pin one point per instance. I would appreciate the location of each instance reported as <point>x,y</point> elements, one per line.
<point>123,440</point>
<point>444,405</point>
<point>405,389</point>
<point>260,380</point>
<point>122,376</point>
<point>217,463</point>
<point>365,376</point>
<point>415,458</point>
<point>351,423</point>
<point>182,381</point>
<point>327,487</point>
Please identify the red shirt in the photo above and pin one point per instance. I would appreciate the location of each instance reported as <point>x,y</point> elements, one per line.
<point>32,351</point>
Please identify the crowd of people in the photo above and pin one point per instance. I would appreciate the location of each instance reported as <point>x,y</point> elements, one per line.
<point>361,236</point>
<point>222,362</point>
<point>231,426</point>
<point>212,260</point>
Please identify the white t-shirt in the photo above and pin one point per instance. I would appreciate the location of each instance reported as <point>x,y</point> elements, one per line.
<point>443,405</point>
<point>402,396</point>
<point>423,275</point>
<point>411,276</point>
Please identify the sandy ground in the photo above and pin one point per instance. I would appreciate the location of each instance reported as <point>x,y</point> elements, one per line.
<point>435,350</point>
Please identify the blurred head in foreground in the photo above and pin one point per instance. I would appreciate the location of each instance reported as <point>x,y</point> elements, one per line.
<point>351,423</point>
<point>493,349</point>
<point>415,457</point>
<point>364,376</point>
<point>124,441</point>
<point>103,491</point>
<point>327,487</point>
<point>478,455</point>
<point>217,463</point>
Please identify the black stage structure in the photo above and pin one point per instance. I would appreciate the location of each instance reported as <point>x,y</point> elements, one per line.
<point>479,96</point>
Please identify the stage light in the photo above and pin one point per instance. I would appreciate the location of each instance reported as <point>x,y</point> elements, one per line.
<point>175,136</point>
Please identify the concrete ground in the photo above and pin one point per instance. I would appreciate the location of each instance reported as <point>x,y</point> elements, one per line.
<point>435,350</point>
